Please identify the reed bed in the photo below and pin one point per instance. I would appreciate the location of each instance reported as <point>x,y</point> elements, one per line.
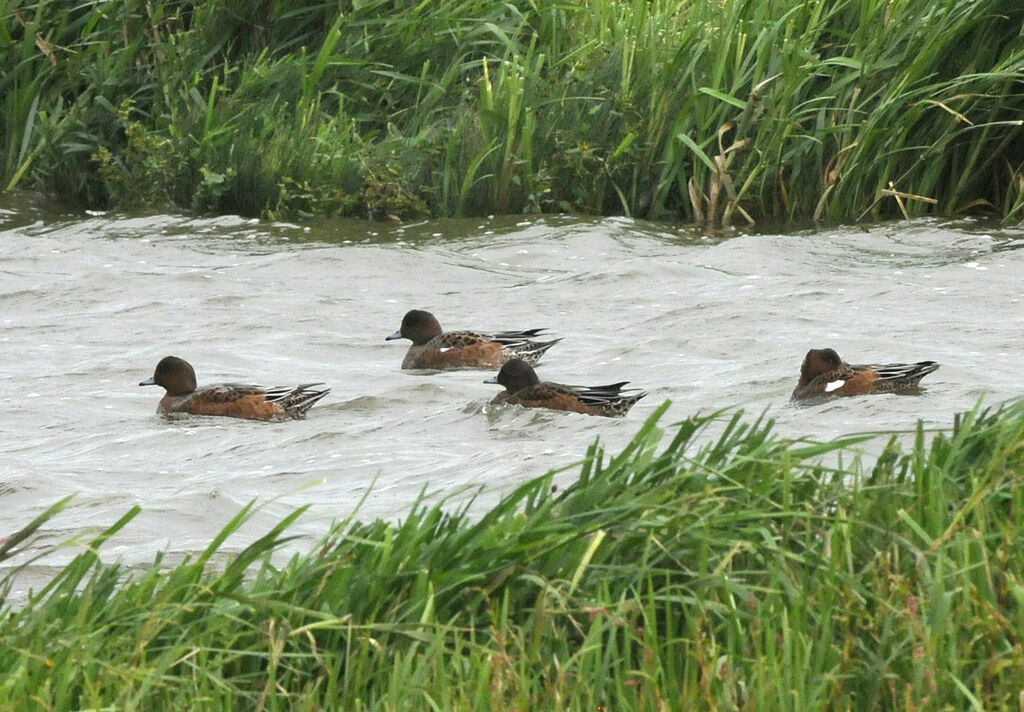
<point>740,571</point>
<point>713,111</point>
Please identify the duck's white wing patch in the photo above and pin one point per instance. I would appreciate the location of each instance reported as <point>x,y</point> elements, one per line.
<point>833,385</point>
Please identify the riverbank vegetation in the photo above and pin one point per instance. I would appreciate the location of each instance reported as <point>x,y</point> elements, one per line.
<point>724,569</point>
<point>713,111</point>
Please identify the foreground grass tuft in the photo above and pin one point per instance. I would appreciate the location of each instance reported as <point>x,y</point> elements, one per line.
<point>715,111</point>
<point>746,572</point>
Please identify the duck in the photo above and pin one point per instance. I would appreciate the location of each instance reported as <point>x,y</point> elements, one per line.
<point>177,377</point>
<point>824,374</point>
<point>434,348</point>
<point>524,388</point>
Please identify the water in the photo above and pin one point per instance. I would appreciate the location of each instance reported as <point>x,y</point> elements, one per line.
<point>90,303</point>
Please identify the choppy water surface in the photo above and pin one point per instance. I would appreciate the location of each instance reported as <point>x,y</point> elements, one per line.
<point>89,304</point>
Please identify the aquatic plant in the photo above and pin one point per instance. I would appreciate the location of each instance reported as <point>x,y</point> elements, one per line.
<point>708,111</point>
<point>739,570</point>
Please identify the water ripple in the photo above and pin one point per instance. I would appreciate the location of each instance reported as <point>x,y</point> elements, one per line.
<point>91,303</point>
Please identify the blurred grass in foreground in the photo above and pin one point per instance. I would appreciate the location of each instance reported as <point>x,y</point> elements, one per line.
<point>740,571</point>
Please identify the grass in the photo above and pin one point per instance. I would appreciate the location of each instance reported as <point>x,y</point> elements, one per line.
<point>711,111</point>
<point>742,571</point>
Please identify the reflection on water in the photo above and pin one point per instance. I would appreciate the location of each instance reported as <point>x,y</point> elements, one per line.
<point>91,302</point>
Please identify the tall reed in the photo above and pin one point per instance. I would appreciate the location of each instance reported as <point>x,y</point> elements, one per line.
<point>710,111</point>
